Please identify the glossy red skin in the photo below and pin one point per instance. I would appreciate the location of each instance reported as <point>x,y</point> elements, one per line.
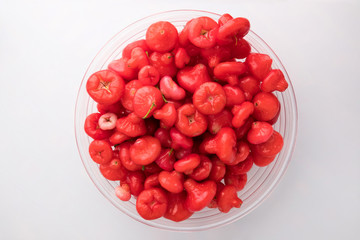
<point>190,78</point>
<point>131,125</point>
<point>274,81</point>
<point>117,138</point>
<point>162,125</point>
<point>216,55</point>
<point>266,106</point>
<point>240,48</point>
<point>167,114</point>
<point>181,58</point>
<point>148,76</point>
<point>241,167</point>
<point>260,132</point>
<point>243,130</point>
<point>115,153</point>
<point>229,71</point>
<point>115,163</point>
<point>176,210</point>
<point>161,36</point>
<point>172,181</point>
<point>179,140</point>
<point>129,94</point>
<point>241,113</point>
<point>199,194</point>
<point>116,108</point>
<point>218,170</point>
<point>151,168</point>
<point>164,137</point>
<point>126,53</point>
<point>223,145</point>
<point>100,151</point>
<point>166,159</point>
<point>152,203</point>
<point>202,171</point>
<point>209,98</point>
<point>262,161</point>
<point>250,86</point>
<point>238,181</point>
<point>188,163</point>
<point>259,65</point>
<point>224,18</point>
<point>184,35</point>
<point>271,147</point>
<point>237,27</point>
<point>121,67</point>
<point>243,151</point>
<point>276,118</point>
<point>202,32</point>
<point>92,128</point>
<point>147,99</point>
<point>113,173</point>
<point>190,121</point>
<point>234,95</point>
<point>138,59</point>
<point>145,150</point>
<point>105,87</point>
<point>152,181</point>
<point>227,198</point>
<point>164,63</point>
<point>170,89</point>
<point>218,121</point>
<point>124,156</point>
<point>181,153</point>
<point>136,181</point>
<point>219,186</point>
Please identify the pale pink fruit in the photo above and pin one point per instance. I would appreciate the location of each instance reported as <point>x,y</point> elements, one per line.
<point>107,121</point>
<point>123,192</point>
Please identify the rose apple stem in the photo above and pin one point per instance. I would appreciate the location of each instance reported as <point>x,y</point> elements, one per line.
<point>151,107</point>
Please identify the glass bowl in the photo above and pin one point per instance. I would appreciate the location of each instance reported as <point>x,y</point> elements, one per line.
<point>261,181</point>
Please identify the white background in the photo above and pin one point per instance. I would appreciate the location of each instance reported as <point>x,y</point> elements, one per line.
<point>45,48</point>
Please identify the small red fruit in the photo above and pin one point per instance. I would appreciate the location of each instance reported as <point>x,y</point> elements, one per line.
<point>209,98</point>
<point>199,195</point>
<point>100,151</point>
<point>188,163</point>
<point>241,113</point>
<point>260,132</point>
<point>148,76</point>
<point>238,181</point>
<point>259,65</point>
<point>161,36</point>
<point>176,210</point>
<point>227,198</point>
<point>266,106</point>
<point>105,87</point>
<point>145,150</point>
<point>190,121</point>
<point>146,100</point>
<point>131,125</point>
<point>274,81</point>
<point>172,181</point>
<point>190,78</point>
<point>151,203</point>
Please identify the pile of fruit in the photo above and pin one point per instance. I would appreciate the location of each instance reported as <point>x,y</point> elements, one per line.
<point>182,117</point>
